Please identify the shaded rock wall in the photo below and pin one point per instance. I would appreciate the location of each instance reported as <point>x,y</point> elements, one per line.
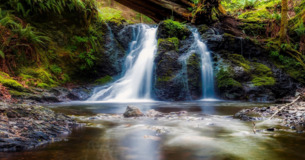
<point>245,80</point>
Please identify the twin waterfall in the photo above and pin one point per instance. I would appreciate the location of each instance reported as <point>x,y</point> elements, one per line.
<point>135,84</point>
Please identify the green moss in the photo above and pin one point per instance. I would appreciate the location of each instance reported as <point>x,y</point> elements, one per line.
<point>104,80</point>
<point>262,75</point>
<point>174,40</point>
<point>256,15</point>
<point>10,83</point>
<point>111,15</point>
<point>225,79</point>
<point>40,74</point>
<point>17,93</point>
<point>239,60</point>
<point>43,85</point>
<point>203,28</point>
<point>263,81</point>
<point>194,61</point>
<point>2,74</point>
<point>65,78</point>
<point>164,78</point>
<point>253,28</point>
<point>175,29</point>
<point>261,69</point>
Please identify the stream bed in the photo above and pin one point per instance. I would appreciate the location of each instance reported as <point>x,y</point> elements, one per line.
<point>208,131</point>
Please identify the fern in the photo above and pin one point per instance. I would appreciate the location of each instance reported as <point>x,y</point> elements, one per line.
<point>300,30</point>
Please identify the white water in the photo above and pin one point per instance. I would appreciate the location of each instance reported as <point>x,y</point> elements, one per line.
<point>136,83</point>
<point>207,73</point>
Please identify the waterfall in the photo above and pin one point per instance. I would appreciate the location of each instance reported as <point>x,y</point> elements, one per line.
<point>136,82</point>
<point>207,73</point>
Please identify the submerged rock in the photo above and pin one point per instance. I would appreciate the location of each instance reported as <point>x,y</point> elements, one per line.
<point>132,111</point>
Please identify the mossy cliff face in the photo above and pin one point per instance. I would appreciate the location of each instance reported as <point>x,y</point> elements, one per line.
<point>238,78</point>
<point>194,76</point>
<point>171,73</point>
<point>166,71</point>
<point>245,69</point>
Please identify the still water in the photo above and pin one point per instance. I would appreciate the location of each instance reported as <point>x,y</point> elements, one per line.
<point>208,132</point>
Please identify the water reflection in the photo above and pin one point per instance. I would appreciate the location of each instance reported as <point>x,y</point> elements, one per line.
<point>208,134</point>
<point>203,107</point>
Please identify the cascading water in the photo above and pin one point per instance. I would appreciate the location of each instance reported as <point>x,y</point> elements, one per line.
<point>136,82</point>
<point>206,66</point>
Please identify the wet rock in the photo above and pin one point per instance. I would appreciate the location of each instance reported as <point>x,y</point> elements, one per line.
<point>154,113</point>
<point>270,129</point>
<point>24,127</point>
<point>132,111</point>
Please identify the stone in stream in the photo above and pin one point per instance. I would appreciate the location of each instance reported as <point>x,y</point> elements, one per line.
<point>132,111</point>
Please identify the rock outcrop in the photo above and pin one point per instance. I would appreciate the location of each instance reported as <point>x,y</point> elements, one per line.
<point>26,127</point>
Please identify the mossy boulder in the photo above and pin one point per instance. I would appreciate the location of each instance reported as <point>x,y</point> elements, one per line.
<point>170,28</point>
<point>12,84</point>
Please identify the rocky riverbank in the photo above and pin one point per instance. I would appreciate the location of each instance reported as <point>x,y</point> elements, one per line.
<point>25,127</point>
<point>291,115</point>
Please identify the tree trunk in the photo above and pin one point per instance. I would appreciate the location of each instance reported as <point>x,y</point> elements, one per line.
<point>284,21</point>
<point>159,10</point>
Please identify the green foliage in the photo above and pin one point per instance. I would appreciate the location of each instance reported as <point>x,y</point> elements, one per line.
<point>29,7</point>
<point>300,30</point>
<point>65,78</point>
<point>225,79</point>
<point>104,80</point>
<point>290,65</point>
<point>88,58</point>
<point>55,69</point>
<point>111,15</point>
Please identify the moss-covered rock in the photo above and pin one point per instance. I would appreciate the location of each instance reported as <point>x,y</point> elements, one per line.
<point>194,75</point>
<point>262,75</point>
<point>12,84</point>
<point>239,60</point>
<point>174,41</point>
<point>225,79</point>
<point>104,80</point>
<point>39,77</point>
<point>170,28</point>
